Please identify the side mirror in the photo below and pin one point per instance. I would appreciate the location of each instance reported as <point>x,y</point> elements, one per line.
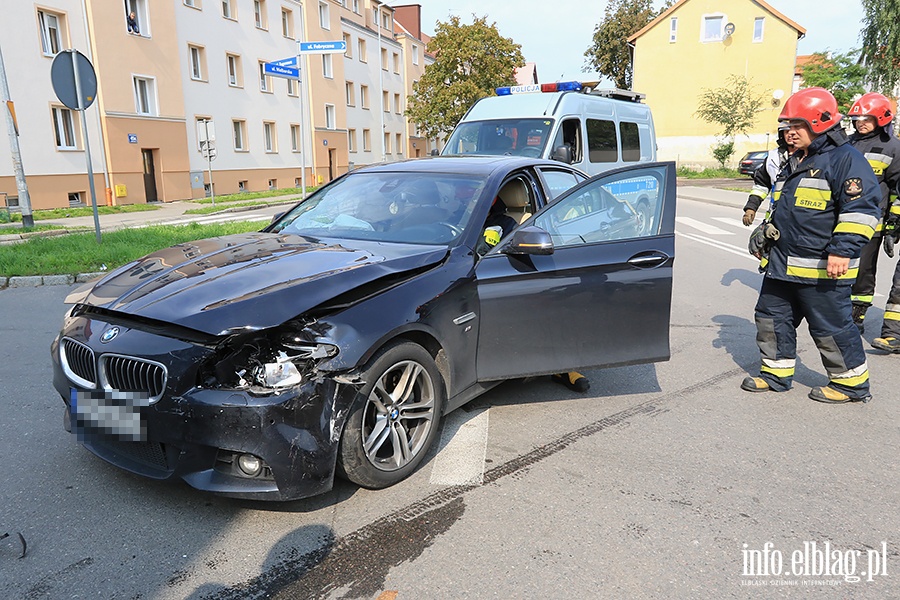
<point>435,152</point>
<point>276,216</point>
<point>562,154</point>
<point>529,240</point>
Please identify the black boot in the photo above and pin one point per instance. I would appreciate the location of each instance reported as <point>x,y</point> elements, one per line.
<point>859,316</point>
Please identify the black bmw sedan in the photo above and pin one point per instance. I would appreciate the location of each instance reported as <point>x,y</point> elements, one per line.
<point>332,342</point>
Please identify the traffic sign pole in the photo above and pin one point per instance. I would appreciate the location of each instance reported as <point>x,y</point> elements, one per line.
<point>212,190</point>
<point>87,145</point>
<point>21,185</point>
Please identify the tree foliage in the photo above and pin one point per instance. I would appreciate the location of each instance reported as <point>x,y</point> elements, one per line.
<point>470,61</point>
<point>839,74</point>
<point>609,53</point>
<point>733,107</point>
<point>881,43</point>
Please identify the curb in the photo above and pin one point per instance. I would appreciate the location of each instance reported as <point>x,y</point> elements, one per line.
<point>27,281</point>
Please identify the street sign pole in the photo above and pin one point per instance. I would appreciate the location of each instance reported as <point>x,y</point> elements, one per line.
<point>304,74</point>
<point>87,146</point>
<point>21,185</point>
<point>212,190</point>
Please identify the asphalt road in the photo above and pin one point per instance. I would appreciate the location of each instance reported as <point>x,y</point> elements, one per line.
<point>662,482</point>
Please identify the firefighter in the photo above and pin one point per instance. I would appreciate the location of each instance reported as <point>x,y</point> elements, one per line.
<point>826,210</point>
<point>890,326</point>
<point>872,117</point>
<point>766,174</point>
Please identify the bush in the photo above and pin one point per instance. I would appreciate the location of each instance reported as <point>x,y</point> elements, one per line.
<point>722,152</point>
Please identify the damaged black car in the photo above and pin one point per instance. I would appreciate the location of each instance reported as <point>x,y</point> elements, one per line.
<point>333,341</point>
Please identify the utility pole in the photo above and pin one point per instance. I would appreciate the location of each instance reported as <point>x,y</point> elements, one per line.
<point>24,198</point>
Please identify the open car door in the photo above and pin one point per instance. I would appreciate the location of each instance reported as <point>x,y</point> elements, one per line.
<point>585,282</point>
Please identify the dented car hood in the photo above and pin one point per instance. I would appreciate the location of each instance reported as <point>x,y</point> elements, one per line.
<point>254,281</point>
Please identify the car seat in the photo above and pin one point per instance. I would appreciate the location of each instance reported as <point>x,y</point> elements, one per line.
<point>514,194</point>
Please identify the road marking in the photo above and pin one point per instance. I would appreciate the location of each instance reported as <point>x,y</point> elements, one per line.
<point>463,446</point>
<point>720,245</point>
<point>704,227</point>
<point>738,223</point>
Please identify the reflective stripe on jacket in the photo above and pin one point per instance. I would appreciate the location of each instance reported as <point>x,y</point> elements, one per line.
<point>827,205</point>
<point>882,151</point>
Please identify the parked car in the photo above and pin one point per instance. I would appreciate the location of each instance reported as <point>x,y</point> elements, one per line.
<point>259,365</point>
<point>752,161</point>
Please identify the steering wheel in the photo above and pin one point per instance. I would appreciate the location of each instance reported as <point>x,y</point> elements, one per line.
<point>530,151</point>
<point>453,228</point>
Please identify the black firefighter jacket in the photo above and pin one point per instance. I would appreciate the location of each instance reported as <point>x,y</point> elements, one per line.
<point>883,153</point>
<point>827,205</point>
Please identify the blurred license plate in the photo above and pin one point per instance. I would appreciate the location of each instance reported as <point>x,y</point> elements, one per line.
<point>109,413</point>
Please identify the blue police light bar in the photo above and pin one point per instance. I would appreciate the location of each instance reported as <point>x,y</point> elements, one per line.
<point>561,86</point>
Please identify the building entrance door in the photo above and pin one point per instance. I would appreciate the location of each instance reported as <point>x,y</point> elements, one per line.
<point>149,176</point>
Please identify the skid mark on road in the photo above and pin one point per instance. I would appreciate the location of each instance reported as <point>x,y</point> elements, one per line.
<point>356,565</point>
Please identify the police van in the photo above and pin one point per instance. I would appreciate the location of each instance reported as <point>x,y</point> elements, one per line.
<point>592,129</point>
<point>595,130</point>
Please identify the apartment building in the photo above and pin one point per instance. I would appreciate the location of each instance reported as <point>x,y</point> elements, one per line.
<point>195,68</point>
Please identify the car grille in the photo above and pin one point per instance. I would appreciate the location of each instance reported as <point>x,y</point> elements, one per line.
<point>78,360</point>
<point>128,374</point>
<point>150,454</point>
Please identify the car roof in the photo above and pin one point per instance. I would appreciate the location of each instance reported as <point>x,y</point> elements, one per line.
<point>461,165</point>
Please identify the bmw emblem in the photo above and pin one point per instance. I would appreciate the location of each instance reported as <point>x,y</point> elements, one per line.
<point>109,335</point>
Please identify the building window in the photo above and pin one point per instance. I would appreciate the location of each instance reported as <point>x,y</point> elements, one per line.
<point>295,138</point>
<point>347,42</point>
<point>273,184</point>
<point>327,66</point>
<point>330,121</point>
<point>228,10</point>
<point>242,185</point>
<point>386,20</point>
<point>361,47</point>
<point>287,23</point>
<point>348,87</point>
<point>292,88</point>
<point>398,143</point>
<point>712,28</point>
<point>297,182</point>
<point>193,4</point>
<point>387,143</point>
<point>240,135</point>
<point>270,143</point>
<point>197,57</point>
<point>364,96</point>
<point>367,140</point>
<point>758,27</point>
<point>356,6</point>
<point>351,140</point>
<point>397,104</point>
<point>233,63</point>
<point>265,83</point>
<point>75,199</point>
<point>145,95</point>
<point>385,102</point>
<point>141,18</point>
<point>51,38</point>
<point>384,59</point>
<point>64,126</point>
<point>396,58</point>
<point>259,14</point>
<point>324,17</point>
<point>415,54</point>
<point>673,29</point>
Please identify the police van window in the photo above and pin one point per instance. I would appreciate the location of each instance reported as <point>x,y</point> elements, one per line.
<point>631,141</point>
<point>602,144</point>
<point>569,134</point>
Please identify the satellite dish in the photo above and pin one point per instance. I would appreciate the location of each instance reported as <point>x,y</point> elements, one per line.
<point>729,29</point>
<point>778,94</point>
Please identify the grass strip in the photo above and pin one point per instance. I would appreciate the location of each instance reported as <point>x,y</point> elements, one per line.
<point>80,252</point>
<point>82,211</point>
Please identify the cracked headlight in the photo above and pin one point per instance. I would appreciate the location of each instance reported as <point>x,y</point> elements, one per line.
<point>279,374</point>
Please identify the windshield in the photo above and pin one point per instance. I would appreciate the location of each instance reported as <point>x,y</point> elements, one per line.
<point>519,137</point>
<point>421,208</point>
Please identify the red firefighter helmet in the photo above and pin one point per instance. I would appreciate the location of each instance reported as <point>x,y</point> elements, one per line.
<point>875,105</point>
<point>814,105</point>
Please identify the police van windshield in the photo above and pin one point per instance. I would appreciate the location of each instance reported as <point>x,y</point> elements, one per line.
<point>518,137</point>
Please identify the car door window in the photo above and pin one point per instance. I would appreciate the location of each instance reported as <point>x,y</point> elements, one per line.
<point>609,207</point>
<point>558,181</point>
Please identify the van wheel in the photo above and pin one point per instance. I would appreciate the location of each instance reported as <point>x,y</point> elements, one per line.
<point>395,419</point>
<point>645,218</point>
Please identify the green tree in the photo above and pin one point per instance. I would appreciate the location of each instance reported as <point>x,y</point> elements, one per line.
<point>881,43</point>
<point>470,61</point>
<point>733,107</point>
<point>609,53</point>
<point>839,74</point>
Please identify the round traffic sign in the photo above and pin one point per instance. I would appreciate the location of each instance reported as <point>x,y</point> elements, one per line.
<point>62,75</point>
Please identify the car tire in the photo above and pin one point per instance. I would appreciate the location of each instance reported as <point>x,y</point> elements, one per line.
<point>646,218</point>
<point>395,418</point>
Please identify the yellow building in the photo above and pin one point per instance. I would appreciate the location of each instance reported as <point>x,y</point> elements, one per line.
<point>696,45</point>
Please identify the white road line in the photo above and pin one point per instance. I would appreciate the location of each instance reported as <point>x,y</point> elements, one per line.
<point>720,245</point>
<point>738,223</point>
<point>704,227</point>
<point>463,446</point>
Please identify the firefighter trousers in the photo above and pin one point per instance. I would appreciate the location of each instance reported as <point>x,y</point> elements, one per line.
<point>826,306</point>
<point>863,289</point>
<point>890,327</point>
